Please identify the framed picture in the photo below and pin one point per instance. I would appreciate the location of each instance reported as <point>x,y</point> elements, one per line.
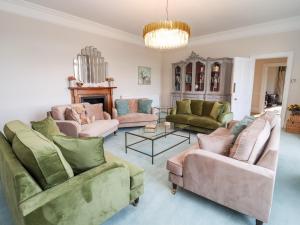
<point>144,75</point>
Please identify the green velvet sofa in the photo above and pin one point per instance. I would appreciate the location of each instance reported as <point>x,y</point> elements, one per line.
<point>199,119</point>
<point>88,198</point>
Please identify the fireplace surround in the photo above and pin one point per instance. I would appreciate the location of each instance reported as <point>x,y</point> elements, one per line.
<point>93,95</point>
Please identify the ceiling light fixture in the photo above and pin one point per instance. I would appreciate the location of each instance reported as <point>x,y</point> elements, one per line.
<point>166,34</point>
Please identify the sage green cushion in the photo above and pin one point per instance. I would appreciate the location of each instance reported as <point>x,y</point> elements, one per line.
<point>179,118</point>
<point>81,153</point>
<point>122,106</point>
<point>216,110</point>
<point>46,127</point>
<point>241,125</point>
<point>41,158</point>
<point>10,129</point>
<point>204,122</point>
<point>196,107</point>
<point>183,107</point>
<point>144,106</point>
<point>136,173</point>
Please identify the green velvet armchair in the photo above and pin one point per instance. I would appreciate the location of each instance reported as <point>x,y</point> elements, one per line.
<point>89,198</point>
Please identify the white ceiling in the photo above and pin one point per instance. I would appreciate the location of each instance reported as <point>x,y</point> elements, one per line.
<point>204,16</point>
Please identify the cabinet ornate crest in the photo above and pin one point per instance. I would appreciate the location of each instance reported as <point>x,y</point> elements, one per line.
<point>202,78</point>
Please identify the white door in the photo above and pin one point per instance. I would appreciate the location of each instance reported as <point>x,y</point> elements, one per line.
<point>242,87</point>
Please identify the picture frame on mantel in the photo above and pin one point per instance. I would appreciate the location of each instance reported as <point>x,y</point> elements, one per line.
<point>144,75</point>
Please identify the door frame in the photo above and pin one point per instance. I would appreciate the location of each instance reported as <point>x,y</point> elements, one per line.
<point>289,68</point>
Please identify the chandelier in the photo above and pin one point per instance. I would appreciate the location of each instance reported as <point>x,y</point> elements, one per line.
<point>166,34</point>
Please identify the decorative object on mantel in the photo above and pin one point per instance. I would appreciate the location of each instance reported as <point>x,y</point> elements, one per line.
<point>90,67</point>
<point>72,81</point>
<point>144,75</point>
<point>110,81</point>
<point>166,34</point>
<point>202,78</point>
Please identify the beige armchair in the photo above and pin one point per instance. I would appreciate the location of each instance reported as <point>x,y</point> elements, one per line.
<point>72,128</point>
<point>247,188</point>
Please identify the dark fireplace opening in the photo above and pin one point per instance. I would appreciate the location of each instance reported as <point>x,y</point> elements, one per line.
<point>94,99</point>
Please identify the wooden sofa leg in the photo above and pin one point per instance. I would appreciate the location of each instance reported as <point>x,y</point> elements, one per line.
<point>258,222</point>
<point>135,202</point>
<point>174,188</point>
<point>115,133</point>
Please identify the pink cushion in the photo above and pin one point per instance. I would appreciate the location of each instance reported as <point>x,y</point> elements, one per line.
<point>221,131</point>
<point>137,117</point>
<point>251,141</point>
<point>133,105</point>
<point>175,164</point>
<point>215,143</point>
<point>271,117</point>
<point>95,110</point>
<point>58,111</point>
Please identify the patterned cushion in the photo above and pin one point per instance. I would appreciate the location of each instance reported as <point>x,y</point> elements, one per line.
<point>122,106</point>
<point>144,106</point>
<point>71,114</point>
<point>95,110</point>
<point>250,143</point>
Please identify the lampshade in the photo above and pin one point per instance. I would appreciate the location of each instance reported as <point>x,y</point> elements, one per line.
<point>166,34</point>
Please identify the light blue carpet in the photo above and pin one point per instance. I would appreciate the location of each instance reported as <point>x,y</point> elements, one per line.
<point>159,207</point>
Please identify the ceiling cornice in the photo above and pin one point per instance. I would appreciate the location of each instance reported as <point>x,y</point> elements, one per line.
<point>272,27</point>
<point>39,12</point>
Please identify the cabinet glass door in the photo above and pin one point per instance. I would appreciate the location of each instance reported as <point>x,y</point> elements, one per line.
<point>200,76</point>
<point>188,77</point>
<point>215,77</point>
<point>177,78</point>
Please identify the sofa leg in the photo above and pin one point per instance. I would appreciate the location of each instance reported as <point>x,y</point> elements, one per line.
<point>258,222</point>
<point>135,202</point>
<point>174,188</point>
<point>115,133</point>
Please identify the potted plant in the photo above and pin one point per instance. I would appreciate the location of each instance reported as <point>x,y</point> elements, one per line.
<point>295,109</point>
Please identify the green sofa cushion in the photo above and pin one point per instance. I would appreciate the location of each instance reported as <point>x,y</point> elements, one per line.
<point>216,110</point>
<point>41,158</point>
<point>10,129</point>
<point>136,173</point>
<point>204,122</point>
<point>196,107</point>
<point>122,106</point>
<point>207,107</point>
<point>81,153</point>
<point>144,106</point>
<point>179,118</point>
<point>183,107</point>
<point>46,127</point>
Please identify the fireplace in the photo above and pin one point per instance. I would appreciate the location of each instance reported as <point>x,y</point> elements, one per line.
<point>93,95</point>
<point>93,99</point>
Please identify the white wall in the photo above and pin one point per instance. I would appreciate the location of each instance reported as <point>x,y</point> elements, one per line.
<point>245,47</point>
<point>36,58</point>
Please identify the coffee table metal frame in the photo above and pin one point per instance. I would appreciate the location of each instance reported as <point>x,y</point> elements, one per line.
<point>153,139</point>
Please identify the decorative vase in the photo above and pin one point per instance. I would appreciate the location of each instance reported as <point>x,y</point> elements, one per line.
<point>72,83</point>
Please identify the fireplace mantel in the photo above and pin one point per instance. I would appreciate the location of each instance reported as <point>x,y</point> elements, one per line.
<point>78,92</point>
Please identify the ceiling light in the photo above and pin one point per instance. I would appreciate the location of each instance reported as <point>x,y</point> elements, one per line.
<point>166,34</point>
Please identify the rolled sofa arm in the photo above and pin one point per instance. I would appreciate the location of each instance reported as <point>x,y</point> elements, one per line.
<point>154,110</point>
<point>225,118</point>
<point>69,127</point>
<point>106,116</point>
<point>106,182</point>
<point>114,113</point>
<point>215,176</point>
<point>173,111</point>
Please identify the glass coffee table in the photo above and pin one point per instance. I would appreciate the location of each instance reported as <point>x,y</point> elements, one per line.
<point>161,131</point>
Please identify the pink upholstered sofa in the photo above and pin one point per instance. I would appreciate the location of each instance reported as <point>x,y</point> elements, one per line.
<point>242,186</point>
<point>134,118</point>
<point>72,128</point>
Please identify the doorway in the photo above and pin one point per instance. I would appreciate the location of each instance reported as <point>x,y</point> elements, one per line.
<point>271,81</point>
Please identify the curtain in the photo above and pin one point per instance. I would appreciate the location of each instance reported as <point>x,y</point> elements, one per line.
<point>280,82</point>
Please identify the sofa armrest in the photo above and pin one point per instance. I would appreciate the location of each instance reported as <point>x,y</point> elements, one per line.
<point>173,111</point>
<point>154,110</point>
<point>225,118</point>
<point>106,116</point>
<point>241,186</point>
<point>69,127</point>
<point>114,113</point>
<point>106,186</point>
